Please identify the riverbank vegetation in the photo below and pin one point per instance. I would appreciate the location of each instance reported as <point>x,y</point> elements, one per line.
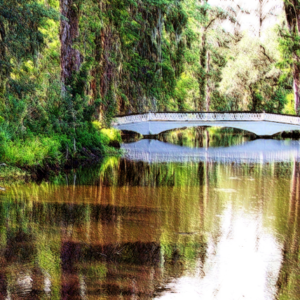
<point>68,66</point>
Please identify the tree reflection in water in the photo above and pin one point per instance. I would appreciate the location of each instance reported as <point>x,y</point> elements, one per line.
<point>137,230</point>
<point>289,278</point>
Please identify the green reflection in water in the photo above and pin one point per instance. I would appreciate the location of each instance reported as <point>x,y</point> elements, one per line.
<point>126,228</point>
<point>289,277</point>
<point>199,137</point>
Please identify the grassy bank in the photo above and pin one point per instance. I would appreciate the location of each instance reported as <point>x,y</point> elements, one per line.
<point>11,173</point>
<point>41,151</point>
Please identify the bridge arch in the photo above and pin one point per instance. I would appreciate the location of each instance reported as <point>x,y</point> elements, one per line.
<point>208,126</point>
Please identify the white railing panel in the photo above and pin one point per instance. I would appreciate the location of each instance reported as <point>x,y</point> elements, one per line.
<point>209,117</point>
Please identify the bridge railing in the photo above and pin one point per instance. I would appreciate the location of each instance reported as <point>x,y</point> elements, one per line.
<point>206,116</point>
<point>294,120</point>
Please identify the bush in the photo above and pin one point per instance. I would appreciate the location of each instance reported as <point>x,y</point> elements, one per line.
<point>107,134</point>
<point>290,105</point>
<point>110,135</point>
<point>31,151</point>
<point>90,139</point>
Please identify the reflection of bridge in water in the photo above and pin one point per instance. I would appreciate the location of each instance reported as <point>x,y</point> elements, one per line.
<point>258,151</point>
<point>261,124</point>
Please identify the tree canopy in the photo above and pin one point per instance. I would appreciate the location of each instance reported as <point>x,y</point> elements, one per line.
<point>66,65</point>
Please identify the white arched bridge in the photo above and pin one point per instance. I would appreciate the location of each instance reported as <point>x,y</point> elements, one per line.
<point>261,124</point>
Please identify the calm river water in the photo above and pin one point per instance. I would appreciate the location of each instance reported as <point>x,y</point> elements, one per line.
<point>216,219</point>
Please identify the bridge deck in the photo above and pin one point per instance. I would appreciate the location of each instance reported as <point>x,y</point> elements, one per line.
<point>260,128</point>
<point>262,124</point>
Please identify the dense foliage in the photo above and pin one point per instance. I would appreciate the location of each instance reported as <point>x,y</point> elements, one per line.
<point>68,66</point>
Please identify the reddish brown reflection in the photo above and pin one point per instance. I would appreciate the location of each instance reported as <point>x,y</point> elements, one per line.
<point>129,229</point>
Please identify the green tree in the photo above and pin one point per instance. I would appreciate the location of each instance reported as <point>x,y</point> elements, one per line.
<point>292,11</point>
<point>209,43</point>
<point>20,40</point>
<point>251,77</point>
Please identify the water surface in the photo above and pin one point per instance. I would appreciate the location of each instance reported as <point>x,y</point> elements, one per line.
<point>153,228</point>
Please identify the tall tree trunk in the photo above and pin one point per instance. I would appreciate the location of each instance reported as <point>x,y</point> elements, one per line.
<point>3,70</point>
<point>103,72</point>
<point>260,16</point>
<point>296,85</point>
<point>207,83</point>
<point>3,282</point>
<point>106,68</point>
<point>254,99</point>
<point>70,59</point>
<point>292,11</point>
<point>95,73</point>
<point>202,74</point>
<point>105,63</point>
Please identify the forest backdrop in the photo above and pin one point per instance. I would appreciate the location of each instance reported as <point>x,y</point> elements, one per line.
<point>68,66</point>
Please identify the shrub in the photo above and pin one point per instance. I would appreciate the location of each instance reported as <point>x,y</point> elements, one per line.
<point>32,151</point>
